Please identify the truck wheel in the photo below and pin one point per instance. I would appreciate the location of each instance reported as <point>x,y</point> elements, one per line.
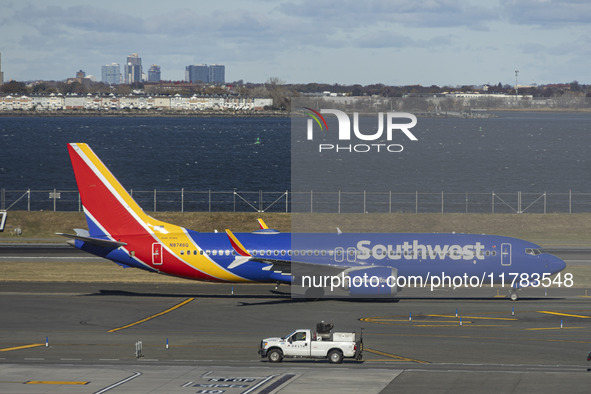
<point>275,356</point>
<point>335,356</point>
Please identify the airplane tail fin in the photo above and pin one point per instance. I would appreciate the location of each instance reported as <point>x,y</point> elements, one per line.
<point>110,210</point>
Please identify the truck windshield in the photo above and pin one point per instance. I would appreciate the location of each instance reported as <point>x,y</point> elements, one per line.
<point>285,338</point>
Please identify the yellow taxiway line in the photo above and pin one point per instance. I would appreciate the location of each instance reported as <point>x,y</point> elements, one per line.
<point>8,349</point>
<point>55,382</point>
<point>395,357</point>
<point>565,314</point>
<point>153,316</point>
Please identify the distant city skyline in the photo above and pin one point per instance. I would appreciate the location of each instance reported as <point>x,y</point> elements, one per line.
<point>394,42</point>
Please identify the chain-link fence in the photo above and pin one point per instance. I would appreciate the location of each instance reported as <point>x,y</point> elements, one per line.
<point>312,201</point>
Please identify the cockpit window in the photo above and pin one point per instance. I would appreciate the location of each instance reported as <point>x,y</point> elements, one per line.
<point>534,252</point>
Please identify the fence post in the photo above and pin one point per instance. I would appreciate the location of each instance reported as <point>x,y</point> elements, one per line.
<point>182,199</point>
<point>390,202</point>
<point>442,201</point>
<point>154,200</point>
<point>260,200</point>
<point>2,199</point>
<point>544,202</point>
<point>286,201</point>
<point>209,200</point>
<point>493,202</point>
<point>79,203</point>
<point>466,202</point>
<point>417,201</point>
<point>311,201</point>
<point>339,203</point>
<point>28,200</point>
<point>54,199</point>
<point>364,203</point>
<point>570,201</point>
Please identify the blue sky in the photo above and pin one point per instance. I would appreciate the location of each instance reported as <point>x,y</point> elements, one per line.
<point>395,42</point>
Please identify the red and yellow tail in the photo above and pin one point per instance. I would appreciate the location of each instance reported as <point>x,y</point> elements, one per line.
<point>109,209</point>
<point>115,220</point>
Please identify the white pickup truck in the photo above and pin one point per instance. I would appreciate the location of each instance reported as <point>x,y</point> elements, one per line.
<point>306,343</point>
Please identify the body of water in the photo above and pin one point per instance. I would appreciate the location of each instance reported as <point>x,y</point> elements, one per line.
<point>518,151</point>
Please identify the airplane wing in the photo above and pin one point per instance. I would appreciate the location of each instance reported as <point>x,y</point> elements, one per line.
<point>279,265</point>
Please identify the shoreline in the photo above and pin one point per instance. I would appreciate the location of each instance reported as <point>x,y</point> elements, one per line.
<point>147,114</point>
<point>144,113</point>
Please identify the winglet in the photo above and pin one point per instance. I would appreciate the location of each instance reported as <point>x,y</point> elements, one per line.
<point>238,247</point>
<point>2,220</point>
<point>262,224</point>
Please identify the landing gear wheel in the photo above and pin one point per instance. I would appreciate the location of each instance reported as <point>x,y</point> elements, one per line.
<point>335,357</point>
<point>513,296</point>
<point>275,356</point>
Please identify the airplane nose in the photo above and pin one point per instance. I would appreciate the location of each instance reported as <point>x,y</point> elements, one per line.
<point>555,264</point>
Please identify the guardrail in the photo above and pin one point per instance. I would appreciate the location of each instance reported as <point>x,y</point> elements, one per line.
<point>312,201</point>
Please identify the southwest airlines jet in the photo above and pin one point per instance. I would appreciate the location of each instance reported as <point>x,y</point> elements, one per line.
<point>358,264</point>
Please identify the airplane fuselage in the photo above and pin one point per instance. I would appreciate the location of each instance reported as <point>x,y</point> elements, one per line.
<point>120,230</point>
<point>185,254</point>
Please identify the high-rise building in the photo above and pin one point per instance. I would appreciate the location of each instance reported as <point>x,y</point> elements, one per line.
<point>197,73</point>
<point>133,69</point>
<point>217,73</point>
<point>1,73</point>
<point>111,74</point>
<point>154,73</point>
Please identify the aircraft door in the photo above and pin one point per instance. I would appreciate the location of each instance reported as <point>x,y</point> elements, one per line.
<point>505,254</point>
<point>157,255</point>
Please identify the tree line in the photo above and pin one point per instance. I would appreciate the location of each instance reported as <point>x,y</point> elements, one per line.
<point>278,90</point>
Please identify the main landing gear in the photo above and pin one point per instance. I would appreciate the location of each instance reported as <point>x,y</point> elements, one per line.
<point>513,295</point>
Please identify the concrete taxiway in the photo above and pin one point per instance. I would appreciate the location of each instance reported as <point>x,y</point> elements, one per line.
<point>74,337</point>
